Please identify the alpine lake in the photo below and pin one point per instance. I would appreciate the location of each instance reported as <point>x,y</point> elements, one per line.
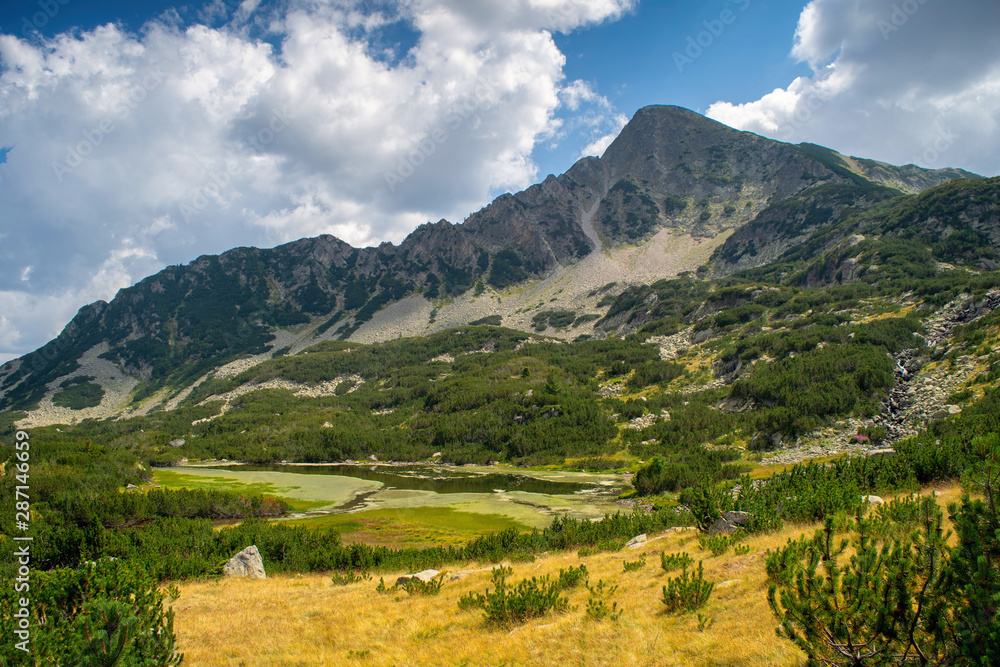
<point>404,505</point>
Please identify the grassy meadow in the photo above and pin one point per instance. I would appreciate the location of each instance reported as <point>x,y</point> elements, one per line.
<point>308,620</point>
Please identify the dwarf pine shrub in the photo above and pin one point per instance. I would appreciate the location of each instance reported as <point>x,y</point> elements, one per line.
<point>339,579</point>
<point>103,613</point>
<point>597,605</point>
<point>882,607</point>
<point>671,562</point>
<point>781,564</point>
<point>633,565</point>
<point>415,586</point>
<point>717,544</point>
<point>508,604</point>
<point>687,592</point>
<point>572,576</point>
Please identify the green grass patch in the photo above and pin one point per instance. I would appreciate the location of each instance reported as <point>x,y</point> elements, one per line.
<point>411,525</point>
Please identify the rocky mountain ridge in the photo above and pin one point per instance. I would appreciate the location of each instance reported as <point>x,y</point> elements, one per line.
<point>668,192</point>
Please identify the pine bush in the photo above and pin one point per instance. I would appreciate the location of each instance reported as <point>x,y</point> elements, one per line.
<point>507,604</point>
<point>671,562</point>
<point>415,586</point>
<point>880,608</point>
<point>687,592</point>
<point>597,605</point>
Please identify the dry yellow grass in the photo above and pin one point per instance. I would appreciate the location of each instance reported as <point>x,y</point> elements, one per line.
<point>307,620</point>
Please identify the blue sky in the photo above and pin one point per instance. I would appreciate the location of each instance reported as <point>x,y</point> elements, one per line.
<point>137,135</point>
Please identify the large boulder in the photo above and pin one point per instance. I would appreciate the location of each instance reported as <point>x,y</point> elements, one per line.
<point>246,563</point>
<point>722,527</point>
<point>425,576</point>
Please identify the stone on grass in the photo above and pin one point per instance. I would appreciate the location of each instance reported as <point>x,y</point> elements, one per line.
<point>872,500</point>
<point>425,576</point>
<point>246,563</point>
<point>636,541</point>
<point>179,442</point>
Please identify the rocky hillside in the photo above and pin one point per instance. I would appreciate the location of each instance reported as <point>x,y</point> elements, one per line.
<point>666,193</point>
<point>832,227</point>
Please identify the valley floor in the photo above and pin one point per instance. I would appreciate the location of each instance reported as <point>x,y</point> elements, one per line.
<point>308,620</point>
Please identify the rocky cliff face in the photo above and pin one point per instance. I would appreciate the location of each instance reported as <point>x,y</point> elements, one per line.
<point>790,223</point>
<point>958,222</point>
<point>670,169</point>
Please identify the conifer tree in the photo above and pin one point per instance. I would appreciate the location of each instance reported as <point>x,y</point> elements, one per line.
<point>974,577</point>
<point>880,608</point>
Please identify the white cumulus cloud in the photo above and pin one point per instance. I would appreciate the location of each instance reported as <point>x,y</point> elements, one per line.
<point>905,81</point>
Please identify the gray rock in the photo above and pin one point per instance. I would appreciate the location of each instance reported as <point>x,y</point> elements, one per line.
<point>246,563</point>
<point>179,442</point>
<point>636,541</point>
<point>888,451</point>
<point>424,576</point>
<point>872,500</point>
<point>948,411</point>
<point>737,518</point>
<point>723,527</point>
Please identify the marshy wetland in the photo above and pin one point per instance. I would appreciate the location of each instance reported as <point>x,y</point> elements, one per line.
<point>414,504</point>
